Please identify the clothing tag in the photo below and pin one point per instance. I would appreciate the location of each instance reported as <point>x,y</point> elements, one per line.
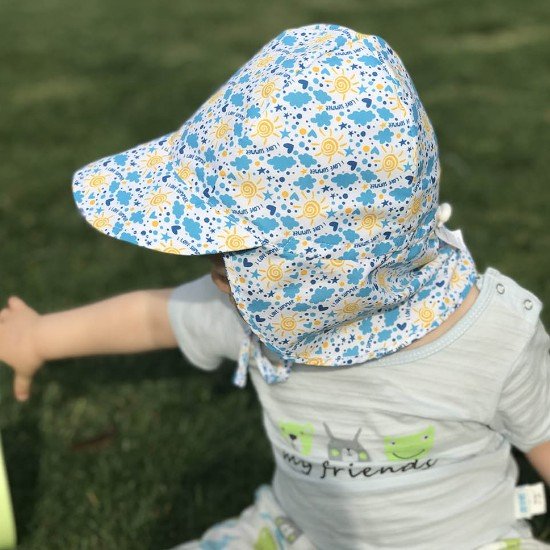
<point>530,500</point>
<point>454,238</point>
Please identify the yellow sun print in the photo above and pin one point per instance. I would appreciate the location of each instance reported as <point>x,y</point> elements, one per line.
<point>96,181</point>
<point>382,279</point>
<point>158,201</point>
<point>173,138</point>
<point>250,190</point>
<point>267,128</point>
<point>390,161</point>
<point>184,171</point>
<point>307,358</point>
<point>398,105</point>
<point>330,145</point>
<point>273,273</point>
<point>324,38</point>
<point>350,308</point>
<point>335,265</point>
<point>232,240</point>
<point>264,61</point>
<point>457,279</point>
<point>343,84</point>
<point>101,221</point>
<point>427,125</point>
<point>311,208</point>
<point>370,222</point>
<point>287,324</point>
<point>267,90</point>
<point>153,160</point>
<point>413,210</point>
<point>169,248</point>
<point>425,315</point>
<point>221,131</point>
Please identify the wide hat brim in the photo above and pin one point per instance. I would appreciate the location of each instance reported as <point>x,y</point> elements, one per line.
<point>143,196</point>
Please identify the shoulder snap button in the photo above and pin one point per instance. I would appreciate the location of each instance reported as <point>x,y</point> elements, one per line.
<point>500,288</point>
<point>528,304</point>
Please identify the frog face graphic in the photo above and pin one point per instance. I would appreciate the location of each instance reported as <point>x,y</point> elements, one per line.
<point>300,436</point>
<point>409,447</point>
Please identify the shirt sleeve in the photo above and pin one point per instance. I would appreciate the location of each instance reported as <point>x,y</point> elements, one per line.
<point>523,412</point>
<point>205,322</point>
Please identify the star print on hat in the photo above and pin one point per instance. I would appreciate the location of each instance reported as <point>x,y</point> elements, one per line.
<point>315,170</point>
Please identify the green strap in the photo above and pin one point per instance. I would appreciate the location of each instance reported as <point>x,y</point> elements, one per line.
<point>8,538</point>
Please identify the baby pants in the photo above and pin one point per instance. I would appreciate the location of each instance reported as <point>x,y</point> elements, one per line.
<point>264,526</point>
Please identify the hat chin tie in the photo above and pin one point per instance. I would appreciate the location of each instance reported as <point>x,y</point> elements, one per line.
<point>443,214</point>
<point>252,347</point>
<point>454,238</point>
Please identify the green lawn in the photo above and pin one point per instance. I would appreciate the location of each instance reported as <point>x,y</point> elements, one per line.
<point>127,452</point>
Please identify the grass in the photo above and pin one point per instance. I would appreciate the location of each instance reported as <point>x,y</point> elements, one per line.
<point>135,452</point>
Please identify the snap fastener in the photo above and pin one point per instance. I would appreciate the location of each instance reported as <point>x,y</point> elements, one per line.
<point>528,304</point>
<point>500,288</point>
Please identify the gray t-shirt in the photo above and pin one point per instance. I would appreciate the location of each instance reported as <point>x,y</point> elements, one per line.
<point>408,451</point>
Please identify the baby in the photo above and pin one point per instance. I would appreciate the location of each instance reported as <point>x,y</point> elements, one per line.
<point>393,377</point>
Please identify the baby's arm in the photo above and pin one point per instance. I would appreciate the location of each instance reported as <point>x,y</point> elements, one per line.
<point>540,459</point>
<point>128,323</point>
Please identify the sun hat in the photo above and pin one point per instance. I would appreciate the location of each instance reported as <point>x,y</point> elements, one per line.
<point>314,169</point>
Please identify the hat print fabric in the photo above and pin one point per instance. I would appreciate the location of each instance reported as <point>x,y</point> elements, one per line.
<point>315,170</point>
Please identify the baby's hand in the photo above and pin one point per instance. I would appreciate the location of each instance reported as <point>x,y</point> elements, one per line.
<point>18,323</point>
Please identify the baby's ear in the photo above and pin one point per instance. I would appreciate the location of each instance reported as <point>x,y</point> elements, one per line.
<point>220,280</point>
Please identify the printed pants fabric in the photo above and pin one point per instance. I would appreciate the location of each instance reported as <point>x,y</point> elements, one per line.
<point>262,526</point>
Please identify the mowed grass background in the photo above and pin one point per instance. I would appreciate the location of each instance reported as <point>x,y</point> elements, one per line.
<point>144,451</point>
